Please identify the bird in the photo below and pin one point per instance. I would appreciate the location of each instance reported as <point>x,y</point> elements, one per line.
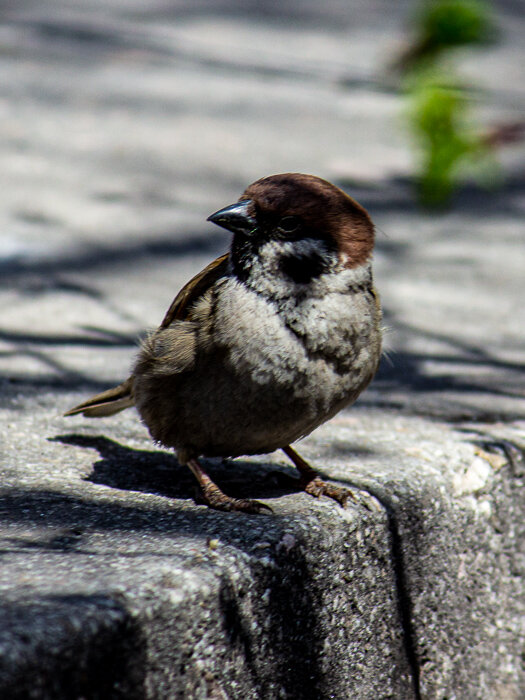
<point>267,342</point>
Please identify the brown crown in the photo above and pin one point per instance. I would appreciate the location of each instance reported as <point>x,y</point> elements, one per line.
<point>322,206</point>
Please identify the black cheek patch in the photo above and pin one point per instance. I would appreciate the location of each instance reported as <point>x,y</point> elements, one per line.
<point>303,268</point>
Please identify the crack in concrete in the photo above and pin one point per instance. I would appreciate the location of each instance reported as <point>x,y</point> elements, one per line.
<point>404,601</point>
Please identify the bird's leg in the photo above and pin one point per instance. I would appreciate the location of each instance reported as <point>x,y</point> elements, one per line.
<point>215,498</point>
<point>312,482</point>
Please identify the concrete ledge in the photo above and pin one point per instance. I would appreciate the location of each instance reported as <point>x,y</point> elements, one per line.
<point>115,590</point>
<point>65,646</point>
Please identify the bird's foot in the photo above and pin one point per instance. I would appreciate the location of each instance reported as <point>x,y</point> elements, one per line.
<point>315,486</point>
<point>312,483</point>
<point>212,496</point>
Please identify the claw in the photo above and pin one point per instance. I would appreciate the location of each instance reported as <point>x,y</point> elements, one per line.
<point>239,505</point>
<point>317,487</point>
<point>312,483</point>
<point>212,496</point>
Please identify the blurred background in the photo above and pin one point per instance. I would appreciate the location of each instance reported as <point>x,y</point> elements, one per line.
<point>125,123</point>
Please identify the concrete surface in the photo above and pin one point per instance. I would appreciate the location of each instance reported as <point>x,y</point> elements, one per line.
<point>124,126</point>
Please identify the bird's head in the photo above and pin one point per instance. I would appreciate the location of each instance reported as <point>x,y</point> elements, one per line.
<point>292,229</point>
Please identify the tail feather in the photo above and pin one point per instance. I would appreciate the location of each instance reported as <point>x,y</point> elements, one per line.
<point>107,403</point>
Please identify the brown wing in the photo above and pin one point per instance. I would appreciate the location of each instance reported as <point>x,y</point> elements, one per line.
<point>120,397</point>
<point>194,289</point>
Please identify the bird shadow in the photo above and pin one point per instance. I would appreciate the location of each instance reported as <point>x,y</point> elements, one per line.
<point>158,472</point>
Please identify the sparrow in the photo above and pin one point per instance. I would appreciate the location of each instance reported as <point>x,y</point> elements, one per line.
<point>266,343</point>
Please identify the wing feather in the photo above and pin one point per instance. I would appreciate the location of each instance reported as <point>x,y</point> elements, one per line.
<point>194,289</point>
<point>179,351</point>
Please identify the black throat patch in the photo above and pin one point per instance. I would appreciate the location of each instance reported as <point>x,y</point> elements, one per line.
<point>243,252</point>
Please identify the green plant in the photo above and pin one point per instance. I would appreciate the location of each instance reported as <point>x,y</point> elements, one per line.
<point>439,104</point>
<point>447,145</point>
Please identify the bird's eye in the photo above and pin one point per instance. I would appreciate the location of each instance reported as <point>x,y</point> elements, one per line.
<point>289,224</point>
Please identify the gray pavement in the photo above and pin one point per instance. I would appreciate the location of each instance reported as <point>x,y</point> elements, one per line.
<point>124,125</point>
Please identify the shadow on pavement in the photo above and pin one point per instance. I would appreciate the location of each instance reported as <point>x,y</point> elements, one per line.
<point>159,472</point>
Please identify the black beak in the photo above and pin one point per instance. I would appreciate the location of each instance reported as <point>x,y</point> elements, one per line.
<point>236,218</point>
